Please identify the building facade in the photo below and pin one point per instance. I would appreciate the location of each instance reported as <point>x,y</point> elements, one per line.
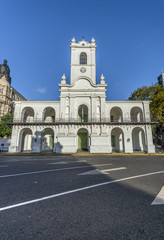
<point>82,119</point>
<point>7,93</point>
<point>161,79</point>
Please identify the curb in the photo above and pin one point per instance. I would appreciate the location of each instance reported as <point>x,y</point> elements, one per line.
<point>82,154</point>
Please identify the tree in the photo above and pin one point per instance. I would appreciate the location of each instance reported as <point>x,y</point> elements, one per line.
<point>157,106</point>
<point>155,94</point>
<point>5,128</point>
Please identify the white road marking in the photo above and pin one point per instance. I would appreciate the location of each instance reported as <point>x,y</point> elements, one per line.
<point>102,164</point>
<point>4,165</point>
<point>56,163</point>
<point>43,171</point>
<point>105,171</point>
<point>77,190</point>
<point>92,172</point>
<point>159,198</point>
<point>65,162</point>
<point>113,169</point>
<point>49,170</point>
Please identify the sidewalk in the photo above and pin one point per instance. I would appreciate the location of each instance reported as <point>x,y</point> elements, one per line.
<point>79,154</point>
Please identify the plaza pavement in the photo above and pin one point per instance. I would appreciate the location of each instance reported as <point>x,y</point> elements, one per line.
<point>82,197</point>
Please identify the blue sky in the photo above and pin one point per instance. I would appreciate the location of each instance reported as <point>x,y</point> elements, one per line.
<point>35,37</point>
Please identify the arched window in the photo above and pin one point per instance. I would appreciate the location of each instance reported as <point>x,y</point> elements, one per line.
<point>28,114</point>
<point>83,58</point>
<point>116,114</point>
<point>136,114</point>
<point>49,114</point>
<point>83,113</point>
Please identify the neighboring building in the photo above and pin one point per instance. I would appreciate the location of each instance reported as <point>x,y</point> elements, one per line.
<point>161,79</point>
<point>82,119</point>
<point>7,93</point>
<point>159,133</point>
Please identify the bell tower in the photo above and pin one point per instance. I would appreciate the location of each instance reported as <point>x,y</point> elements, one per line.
<point>83,60</point>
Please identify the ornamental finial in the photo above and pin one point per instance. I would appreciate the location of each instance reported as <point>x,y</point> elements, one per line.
<point>63,79</point>
<point>73,40</point>
<point>93,40</point>
<point>102,81</point>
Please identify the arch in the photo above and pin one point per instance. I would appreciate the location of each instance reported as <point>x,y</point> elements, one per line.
<point>82,139</point>
<point>49,114</point>
<point>136,114</point>
<point>116,114</point>
<point>117,140</point>
<point>47,139</point>
<point>83,58</point>
<point>83,113</point>
<point>138,139</point>
<point>28,114</point>
<point>25,140</point>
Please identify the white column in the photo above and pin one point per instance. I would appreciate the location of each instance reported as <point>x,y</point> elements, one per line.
<point>14,140</point>
<point>103,114</point>
<point>128,139</point>
<point>149,139</point>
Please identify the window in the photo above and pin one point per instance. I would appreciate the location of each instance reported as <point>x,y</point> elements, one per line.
<point>83,113</point>
<point>83,58</point>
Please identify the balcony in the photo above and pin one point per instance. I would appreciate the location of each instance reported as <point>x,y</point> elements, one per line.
<point>76,121</point>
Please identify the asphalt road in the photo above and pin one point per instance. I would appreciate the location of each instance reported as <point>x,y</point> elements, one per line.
<point>81,197</point>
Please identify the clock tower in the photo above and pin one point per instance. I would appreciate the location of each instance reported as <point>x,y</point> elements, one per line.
<point>83,62</point>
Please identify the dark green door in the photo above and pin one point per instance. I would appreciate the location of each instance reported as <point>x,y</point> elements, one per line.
<point>113,141</point>
<point>82,141</point>
<point>51,142</point>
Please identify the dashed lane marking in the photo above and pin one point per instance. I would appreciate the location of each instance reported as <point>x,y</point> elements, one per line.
<point>77,190</point>
<point>159,198</point>
<point>49,170</point>
<point>56,163</point>
<point>105,171</point>
<point>66,162</point>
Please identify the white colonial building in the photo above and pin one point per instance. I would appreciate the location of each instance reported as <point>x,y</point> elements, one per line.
<point>82,119</point>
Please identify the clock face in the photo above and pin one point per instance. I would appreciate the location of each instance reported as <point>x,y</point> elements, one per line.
<point>83,70</point>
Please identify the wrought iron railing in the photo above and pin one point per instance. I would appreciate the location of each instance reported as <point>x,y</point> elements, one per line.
<point>75,120</point>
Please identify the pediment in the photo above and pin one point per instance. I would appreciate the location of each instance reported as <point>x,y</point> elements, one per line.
<point>82,84</point>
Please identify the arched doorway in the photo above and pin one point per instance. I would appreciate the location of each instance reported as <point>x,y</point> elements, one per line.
<point>116,114</point>
<point>136,114</point>
<point>138,138</point>
<point>117,140</point>
<point>82,140</point>
<point>49,114</point>
<point>47,140</point>
<point>28,114</point>
<point>83,113</point>
<point>25,140</point>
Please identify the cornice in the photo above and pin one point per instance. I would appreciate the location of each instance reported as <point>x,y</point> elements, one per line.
<point>86,46</point>
<point>82,65</point>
